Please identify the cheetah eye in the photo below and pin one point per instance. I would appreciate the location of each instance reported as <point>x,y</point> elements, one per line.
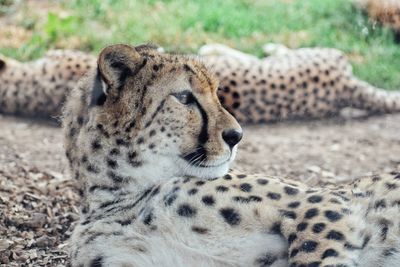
<point>185,97</point>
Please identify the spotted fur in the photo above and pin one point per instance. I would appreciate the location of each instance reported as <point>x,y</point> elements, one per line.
<point>303,83</point>
<point>148,139</point>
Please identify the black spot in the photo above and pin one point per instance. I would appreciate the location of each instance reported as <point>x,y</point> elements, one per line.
<point>241,199</point>
<point>290,190</point>
<point>266,260</point>
<point>380,204</point>
<point>262,181</point>
<point>276,228</point>
<point>384,224</point>
<point>92,168</point>
<point>333,216</point>
<point>156,67</point>
<point>294,204</point>
<point>253,198</point>
<point>308,246</point>
<point>241,176</point>
<point>318,227</point>
<point>227,177</point>
<point>124,222</point>
<point>226,89</point>
<point>230,216</point>
<point>335,235</point>
<point>200,183</point>
<point>186,210</point>
<point>112,163</point>
<point>366,241</point>
<point>121,142</point>
<point>80,120</point>
<point>311,213</point>
<point>103,187</point>
<point>192,191</point>
<point>97,262</point>
<point>335,201</point>
<point>302,226</point>
<point>132,155</point>
<point>115,177</point>
<point>274,196</point>
<point>314,199</point>
<point>130,126</point>
<point>200,230</point>
<point>390,252</point>
<point>330,253</point>
<point>222,188</point>
<point>208,200</point>
<point>96,145</point>
<point>148,218</point>
<point>293,253</point>
<point>292,237</point>
<point>288,214</point>
<point>152,133</point>
<point>169,199</point>
<point>114,152</point>
<point>245,187</point>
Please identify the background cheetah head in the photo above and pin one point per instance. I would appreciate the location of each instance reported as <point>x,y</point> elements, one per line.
<point>149,114</point>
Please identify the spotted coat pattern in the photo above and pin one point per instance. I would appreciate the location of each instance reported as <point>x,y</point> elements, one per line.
<point>148,139</point>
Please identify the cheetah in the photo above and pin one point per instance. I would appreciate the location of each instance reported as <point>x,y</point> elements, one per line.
<point>150,144</point>
<point>296,84</point>
<point>385,12</point>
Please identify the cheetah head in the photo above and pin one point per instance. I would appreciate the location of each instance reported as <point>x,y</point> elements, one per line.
<point>151,115</point>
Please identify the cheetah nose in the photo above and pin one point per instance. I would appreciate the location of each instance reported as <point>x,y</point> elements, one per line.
<point>232,136</point>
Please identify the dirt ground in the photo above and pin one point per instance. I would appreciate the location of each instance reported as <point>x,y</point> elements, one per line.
<point>38,203</point>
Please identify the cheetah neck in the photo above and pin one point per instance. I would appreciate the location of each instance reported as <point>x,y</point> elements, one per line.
<point>110,176</point>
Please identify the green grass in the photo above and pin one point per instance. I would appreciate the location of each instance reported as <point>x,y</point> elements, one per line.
<point>183,25</point>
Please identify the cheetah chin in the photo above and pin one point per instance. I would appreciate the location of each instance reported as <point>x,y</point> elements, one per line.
<point>210,170</point>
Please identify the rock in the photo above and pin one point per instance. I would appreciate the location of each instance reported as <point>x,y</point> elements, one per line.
<point>45,241</point>
<point>38,220</point>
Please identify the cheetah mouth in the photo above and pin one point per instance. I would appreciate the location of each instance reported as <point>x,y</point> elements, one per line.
<point>199,157</point>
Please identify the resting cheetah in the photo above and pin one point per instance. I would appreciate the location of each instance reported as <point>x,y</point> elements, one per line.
<point>386,12</point>
<point>151,144</point>
<point>303,83</point>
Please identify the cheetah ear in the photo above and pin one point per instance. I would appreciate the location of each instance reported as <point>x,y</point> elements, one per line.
<point>116,64</point>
